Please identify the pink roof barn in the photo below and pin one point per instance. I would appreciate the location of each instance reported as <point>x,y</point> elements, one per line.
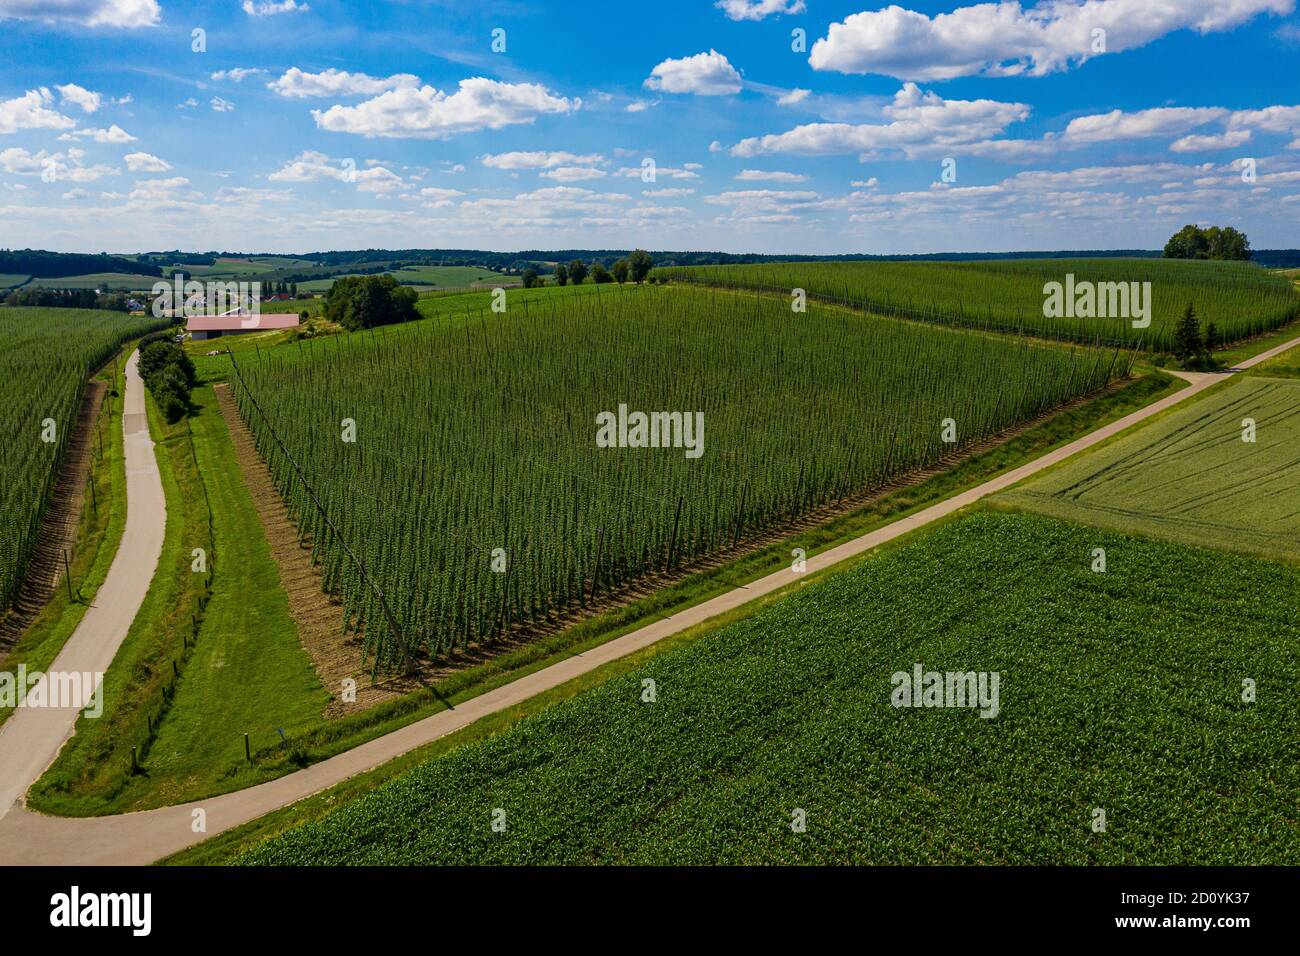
<point>215,326</point>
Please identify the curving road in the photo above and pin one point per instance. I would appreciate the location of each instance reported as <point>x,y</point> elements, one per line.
<point>138,838</point>
<point>32,737</point>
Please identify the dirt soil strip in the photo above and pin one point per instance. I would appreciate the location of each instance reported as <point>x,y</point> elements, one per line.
<point>60,525</point>
<point>149,835</point>
<point>335,654</point>
<point>32,737</point>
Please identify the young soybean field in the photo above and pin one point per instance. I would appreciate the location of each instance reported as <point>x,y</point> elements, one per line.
<point>1120,692</point>
<point>458,459</point>
<point>1222,472</point>
<point>46,356</point>
<point>1007,295</point>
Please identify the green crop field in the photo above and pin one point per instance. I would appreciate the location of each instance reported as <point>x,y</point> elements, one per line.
<point>1120,692</point>
<point>1190,475</point>
<point>9,280</point>
<point>472,436</point>
<point>1008,295</point>
<point>449,276</point>
<point>123,281</point>
<point>46,355</point>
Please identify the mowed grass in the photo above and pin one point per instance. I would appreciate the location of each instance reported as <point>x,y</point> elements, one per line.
<point>246,672</point>
<point>1190,476</point>
<point>1120,691</point>
<point>125,281</point>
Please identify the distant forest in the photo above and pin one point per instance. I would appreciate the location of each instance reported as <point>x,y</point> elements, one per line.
<point>50,265</point>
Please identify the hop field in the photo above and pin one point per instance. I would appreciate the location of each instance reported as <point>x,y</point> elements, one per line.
<point>1007,295</point>
<point>1120,692</point>
<point>46,355</point>
<point>472,436</point>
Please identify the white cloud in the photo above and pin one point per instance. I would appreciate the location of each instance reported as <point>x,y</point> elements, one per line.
<point>31,111</point>
<point>310,166</point>
<point>765,175</point>
<point>640,106</point>
<point>189,104</point>
<point>539,160</point>
<point>60,166</point>
<point>758,9</point>
<point>1117,124</point>
<point>127,14</point>
<point>297,84</point>
<point>1194,144</point>
<point>1005,39</point>
<point>668,192</point>
<point>236,75</point>
<point>436,198</point>
<point>77,193</point>
<point>114,134</point>
<point>794,96</point>
<point>751,207</point>
<point>145,163</point>
<point>573,174</point>
<point>715,147</point>
<point>271,9</point>
<point>79,96</point>
<point>871,183</point>
<point>428,113</point>
<point>162,190</point>
<point>917,119</point>
<point>668,172</point>
<point>705,74</point>
<point>221,106</point>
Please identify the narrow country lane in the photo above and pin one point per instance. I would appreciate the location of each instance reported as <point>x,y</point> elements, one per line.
<point>146,836</point>
<point>32,737</point>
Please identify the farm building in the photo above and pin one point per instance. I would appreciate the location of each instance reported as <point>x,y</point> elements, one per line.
<point>214,326</point>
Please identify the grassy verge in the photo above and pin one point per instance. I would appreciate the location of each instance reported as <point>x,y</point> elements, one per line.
<point>242,672</point>
<point>1286,365</point>
<point>98,536</point>
<point>1248,348</point>
<point>1121,691</point>
<point>337,736</point>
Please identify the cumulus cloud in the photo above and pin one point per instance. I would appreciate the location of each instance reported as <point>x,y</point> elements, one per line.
<point>917,119</point>
<point>1117,124</point>
<point>573,174</point>
<point>1202,143</point>
<point>271,9</point>
<point>1006,39</point>
<point>640,106</point>
<point>32,111</point>
<point>758,9</point>
<point>763,206</point>
<point>298,84</point>
<point>221,106</point>
<point>79,96</point>
<point>769,175</point>
<point>310,166</point>
<point>236,75</point>
<point>704,74</point>
<point>58,167</point>
<point>668,172</point>
<point>794,96</point>
<point>428,113</point>
<point>539,160</point>
<point>126,14</point>
<point>114,134</point>
<point>146,163</point>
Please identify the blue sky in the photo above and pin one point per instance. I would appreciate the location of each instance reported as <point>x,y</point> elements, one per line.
<point>921,127</point>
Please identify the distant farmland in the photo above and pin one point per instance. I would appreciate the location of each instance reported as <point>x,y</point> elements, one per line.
<point>1007,295</point>
<point>800,411</point>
